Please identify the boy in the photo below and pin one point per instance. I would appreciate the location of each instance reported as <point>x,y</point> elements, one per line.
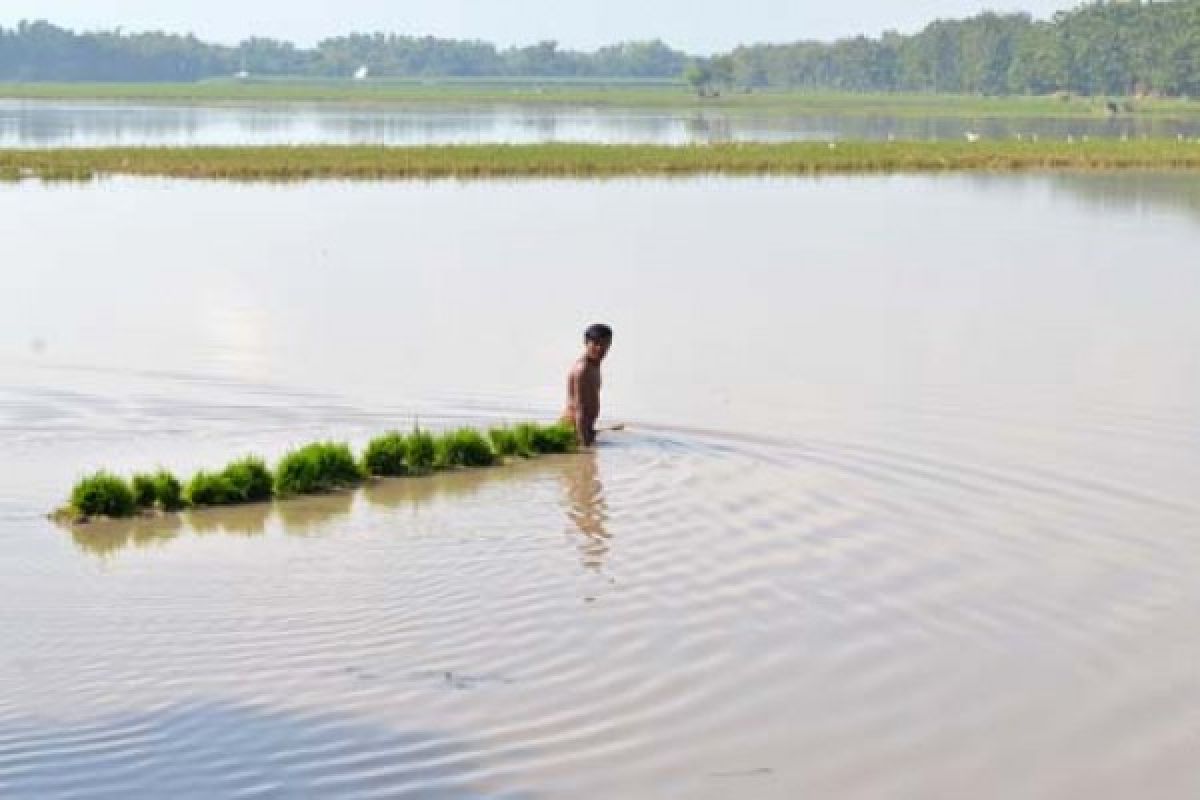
<point>583,384</point>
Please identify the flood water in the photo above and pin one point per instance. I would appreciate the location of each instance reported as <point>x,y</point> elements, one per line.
<point>907,506</point>
<point>40,123</point>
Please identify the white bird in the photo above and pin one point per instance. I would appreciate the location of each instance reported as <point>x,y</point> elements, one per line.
<point>972,136</point>
<point>360,74</point>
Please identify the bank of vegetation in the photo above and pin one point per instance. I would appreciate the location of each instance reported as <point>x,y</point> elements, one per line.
<point>595,160</point>
<point>1125,48</point>
<point>313,469</point>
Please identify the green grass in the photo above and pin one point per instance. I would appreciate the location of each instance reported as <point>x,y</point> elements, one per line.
<point>422,451</point>
<point>251,478</point>
<point>603,161</point>
<point>557,438</point>
<point>386,455</point>
<point>145,493</point>
<point>246,480</point>
<point>157,490</point>
<point>504,442</point>
<point>211,489</point>
<point>318,467</point>
<point>464,447</point>
<point>103,494</point>
<point>592,93</point>
<point>168,491</point>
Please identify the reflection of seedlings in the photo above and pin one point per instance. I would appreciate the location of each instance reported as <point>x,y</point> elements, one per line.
<point>106,537</point>
<point>305,515</point>
<point>318,467</point>
<point>242,520</point>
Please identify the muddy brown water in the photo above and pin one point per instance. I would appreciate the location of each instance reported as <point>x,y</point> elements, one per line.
<point>907,506</point>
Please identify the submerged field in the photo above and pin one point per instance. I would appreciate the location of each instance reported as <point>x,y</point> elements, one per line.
<point>587,160</point>
<point>628,94</point>
<point>898,445</point>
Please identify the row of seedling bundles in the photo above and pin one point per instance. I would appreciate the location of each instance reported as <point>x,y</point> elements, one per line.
<point>312,469</point>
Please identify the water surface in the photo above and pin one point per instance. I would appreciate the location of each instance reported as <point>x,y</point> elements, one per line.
<point>907,506</point>
<point>59,123</point>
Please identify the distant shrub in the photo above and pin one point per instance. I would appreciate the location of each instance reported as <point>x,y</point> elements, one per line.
<point>421,451</point>
<point>386,455</point>
<point>504,442</point>
<point>168,491</point>
<point>317,467</point>
<point>145,493</point>
<point>464,447</point>
<point>103,494</point>
<point>250,477</point>
<point>212,489</point>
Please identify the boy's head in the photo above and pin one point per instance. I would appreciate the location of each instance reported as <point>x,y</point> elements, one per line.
<point>596,341</point>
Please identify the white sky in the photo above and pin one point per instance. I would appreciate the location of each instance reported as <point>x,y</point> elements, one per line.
<point>698,26</point>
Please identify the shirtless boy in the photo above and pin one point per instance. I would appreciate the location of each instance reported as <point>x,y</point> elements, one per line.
<point>583,384</point>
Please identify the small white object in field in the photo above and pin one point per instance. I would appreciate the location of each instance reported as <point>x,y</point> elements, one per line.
<point>360,74</point>
<point>973,137</point>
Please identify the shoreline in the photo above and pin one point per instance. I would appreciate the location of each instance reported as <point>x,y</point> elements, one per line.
<point>474,162</point>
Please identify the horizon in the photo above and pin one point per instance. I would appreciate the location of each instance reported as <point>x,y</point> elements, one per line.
<point>697,30</point>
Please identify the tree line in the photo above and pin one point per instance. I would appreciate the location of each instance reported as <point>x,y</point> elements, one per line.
<point>1102,48</point>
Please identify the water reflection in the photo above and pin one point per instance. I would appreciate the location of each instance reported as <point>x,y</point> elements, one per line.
<point>108,537</point>
<point>248,520</point>
<point>42,123</point>
<point>313,515</point>
<point>220,748</point>
<point>587,508</point>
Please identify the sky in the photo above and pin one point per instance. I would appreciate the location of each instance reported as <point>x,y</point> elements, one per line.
<point>697,26</point>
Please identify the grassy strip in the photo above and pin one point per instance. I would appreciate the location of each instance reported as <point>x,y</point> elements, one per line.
<point>585,160</point>
<point>314,468</point>
<point>611,93</point>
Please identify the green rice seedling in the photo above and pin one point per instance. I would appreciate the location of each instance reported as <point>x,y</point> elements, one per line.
<point>464,447</point>
<point>103,494</point>
<point>317,467</point>
<point>524,435</point>
<point>251,478</point>
<point>212,489</point>
<point>145,493</point>
<point>385,455</point>
<point>422,451</point>
<point>556,438</point>
<point>504,442</point>
<point>168,491</point>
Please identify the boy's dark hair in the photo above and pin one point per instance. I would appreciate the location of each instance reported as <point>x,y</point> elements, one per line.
<point>597,333</point>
